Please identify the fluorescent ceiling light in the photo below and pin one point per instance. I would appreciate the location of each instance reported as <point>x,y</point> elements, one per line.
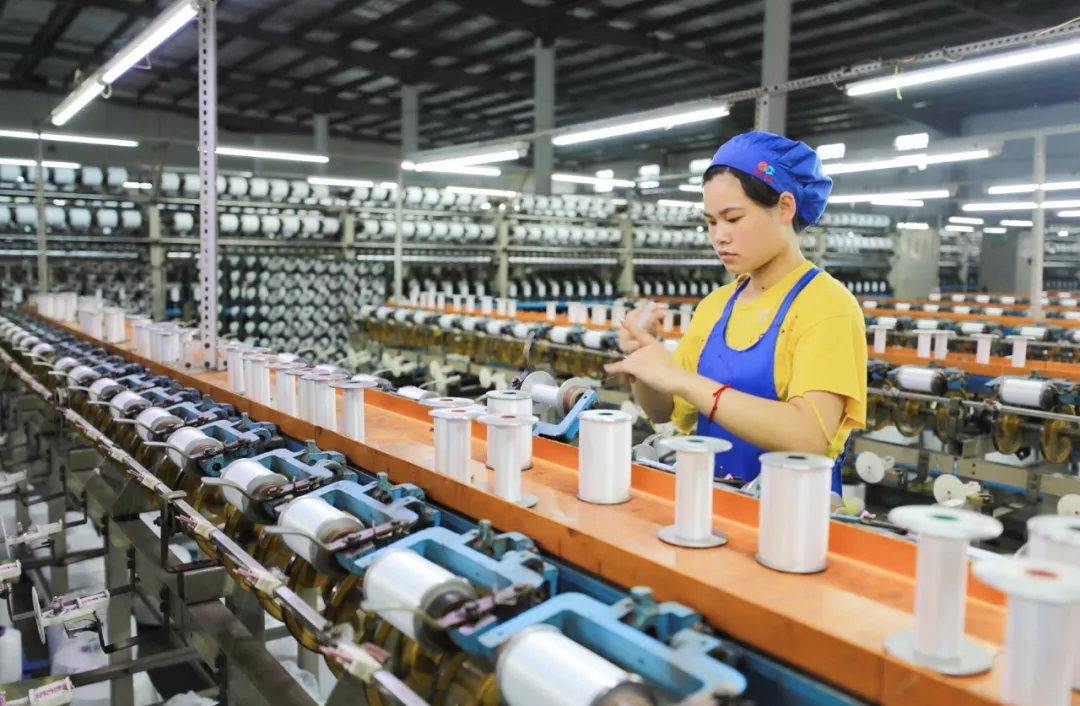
<point>138,185</point>
<point>58,137</point>
<point>913,226</point>
<point>966,220</point>
<point>700,166</point>
<point>968,67</point>
<point>77,100</point>
<point>1030,188</point>
<point>648,184</point>
<point>1063,233</point>
<point>271,154</point>
<point>13,161</point>
<point>596,180</point>
<point>1069,214</point>
<point>993,229</point>
<point>649,170</point>
<point>164,26</point>
<point>335,181</point>
<point>692,188</point>
<point>502,193</point>
<point>451,169</point>
<point>960,229</point>
<point>920,161</point>
<point>894,196</point>
<point>662,119</point>
<point>1018,205</point>
<point>835,150</point>
<point>387,185</point>
<point>671,203</point>
<point>903,203</point>
<point>1017,224</point>
<point>465,155</point>
<point>915,141</point>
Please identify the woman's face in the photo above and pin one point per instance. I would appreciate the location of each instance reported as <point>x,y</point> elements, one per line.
<point>745,235</point>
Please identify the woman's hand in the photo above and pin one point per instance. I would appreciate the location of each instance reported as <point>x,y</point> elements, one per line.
<point>649,362</point>
<point>646,318</point>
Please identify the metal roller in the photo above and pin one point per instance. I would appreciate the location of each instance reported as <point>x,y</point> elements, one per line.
<point>127,404</point>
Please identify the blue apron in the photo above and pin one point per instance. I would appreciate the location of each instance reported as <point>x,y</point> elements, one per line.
<point>749,371</point>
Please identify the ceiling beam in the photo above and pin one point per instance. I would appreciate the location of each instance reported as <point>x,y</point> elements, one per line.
<point>43,41</point>
<point>998,13</point>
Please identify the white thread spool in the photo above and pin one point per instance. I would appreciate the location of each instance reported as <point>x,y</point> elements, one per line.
<point>599,315</point>
<point>880,337</point>
<point>514,402</point>
<point>604,456</point>
<point>234,364</point>
<point>1019,351</point>
<point>187,442</point>
<point>937,641</point>
<point>246,359</point>
<point>280,385</point>
<point>485,306</point>
<point>115,330</point>
<point>540,666</point>
<point>511,308</point>
<point>983,341</point>
<point>669,321</point>
<point>551,309</point>
<point>453,441</point>
<point>93,323</point>
<point>1040,631</point>
<point>500,307</point>
<point>916,378</point>
<point>618,313</point>
<point>470,303</point>
<point>941,343</point>
<point>352,407</point>
<point>325,400</point>
<point>504,454</point>
<point>793,526</point>
<point>152,420</point>
<point>260,380</point>
<point>287,398</point>
<point>695,461</point>
<point>1025,392</point>
<point>318,518</point>
<point>1057,538</point>
<point>305,399</point>
<point>414,393</point>
<point>446,402</point>
<point>440,301</point>
<point>250,475</point>
<point>925,339</point>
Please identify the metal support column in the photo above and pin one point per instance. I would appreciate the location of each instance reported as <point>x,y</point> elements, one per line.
<point>208,265</point>
<point>321,124</point>
<point>502,256</point>
<point>117,573</point>
<point>776,48</point>
<point>1038,231</point>
<point>543,114</point>
<point>410,120</point>
<point>625,286</point>
<point>157,263</point>
<point>399,239</point>
<point>42,241</point>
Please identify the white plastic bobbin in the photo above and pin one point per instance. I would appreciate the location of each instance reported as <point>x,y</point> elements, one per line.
<point>511,308</point>
<point>983,341</point>
<point>485,306</point>
<point>686,314</point>
<point>246,358</point>
<point>880,337</point>
<point>305,398</point>
<point>1039,628</point>
<point>515,402</point>
<point>925,339</point>
<point>446,402</point>
<point>941,343</point>
<point>94,324</point>
<point>456,299</point>
<point>260,378</point>
<point>453,441</point>
<point>440,301</point>
<point>504,454</point>
<point>1019,351</point>
<point>1057,538</point>
<point>599,315</point>
<point>695,461</point>
<point>618,313</point>
<point>793,525</point>
<point>937,641</point>
<point>141,333</point>
<point>500,307</point>
<point>283,397</point>
<point>325,400</point>
<point>604,454</point>
<point>114,329</point>
<point>550,310</point>
<point>352,407</point>
<point>234,364</point>
<point>287,400</point>
<point>470,303</point>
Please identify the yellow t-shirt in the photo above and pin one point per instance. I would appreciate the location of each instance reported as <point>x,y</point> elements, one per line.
<point>821,345</point>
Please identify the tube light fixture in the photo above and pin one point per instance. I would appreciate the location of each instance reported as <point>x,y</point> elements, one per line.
<point>1017,224</point>
<point>500,193</point>
<point>700,166</point>
<point>691,188</point>
<point>836,150</point>
<point>463,170</point>
<point>920,161</point>
<point>914,141</point>
<point>58,137</point>
<point>1018,205</point>
<point>962,68</point>
<point>144,185</point>
<point>1069,214</point>
<point>1030,188</point>
<point>995,230</point>
<point>1063,233</point>
<point>271,154</point>
<point>336,181</point>
<point>649,184</point>
<point>662,119</point>
<point>596,180</point>
<point>465,156</point>
<point>894,196</point>
<point>903,203</point>
<point>965,220</point>
<point>913,226</point>
<point>953,228</point>
<point>671,203</point>
<point>388,185</point>
<point>16,162</point>
<point>90,89</point>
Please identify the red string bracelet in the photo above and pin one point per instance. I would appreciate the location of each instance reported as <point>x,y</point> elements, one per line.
<point>716,399</point>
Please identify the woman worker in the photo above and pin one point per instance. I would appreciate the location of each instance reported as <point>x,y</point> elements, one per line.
<point>776,360</point>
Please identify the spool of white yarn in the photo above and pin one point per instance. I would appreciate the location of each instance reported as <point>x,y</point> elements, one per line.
<point>604,457</point>
<point>1057,538</point>
<point>11,662</point>
<point>513,402</point>
<point>793,526</point>
<point>695,461</point>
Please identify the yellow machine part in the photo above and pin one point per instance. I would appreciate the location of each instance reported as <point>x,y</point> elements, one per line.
<point>943,413</point>
<point>877,414</point>
<point>1007,434</point>
<point>908,417</point>
<point>1057,442</point>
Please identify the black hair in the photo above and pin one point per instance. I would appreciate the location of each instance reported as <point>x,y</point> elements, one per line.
<point>756,190</point>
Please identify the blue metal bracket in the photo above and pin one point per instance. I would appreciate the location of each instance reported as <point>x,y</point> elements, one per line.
<point>567,429</point>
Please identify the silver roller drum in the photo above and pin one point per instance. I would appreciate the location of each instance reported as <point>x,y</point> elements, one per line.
<point>1025,392</point>
<point>27,343</point>
<point>253,477</point>
<point>927,325</point>
<point>187,442</point>
<point>1037,333</point>
<point>318,518</point>
<point>43,350</point>
<point>127,404</point>
<point>104,389</point>
<point>402,586</point>
<point>80,375</point>
<point>542,667</point>
<point>153,421</point>
<point>65,364</point>
<point>916,378</point>
<point>414,393</point>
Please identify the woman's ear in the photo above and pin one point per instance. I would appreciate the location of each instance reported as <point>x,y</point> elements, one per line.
<point>787,207</point>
